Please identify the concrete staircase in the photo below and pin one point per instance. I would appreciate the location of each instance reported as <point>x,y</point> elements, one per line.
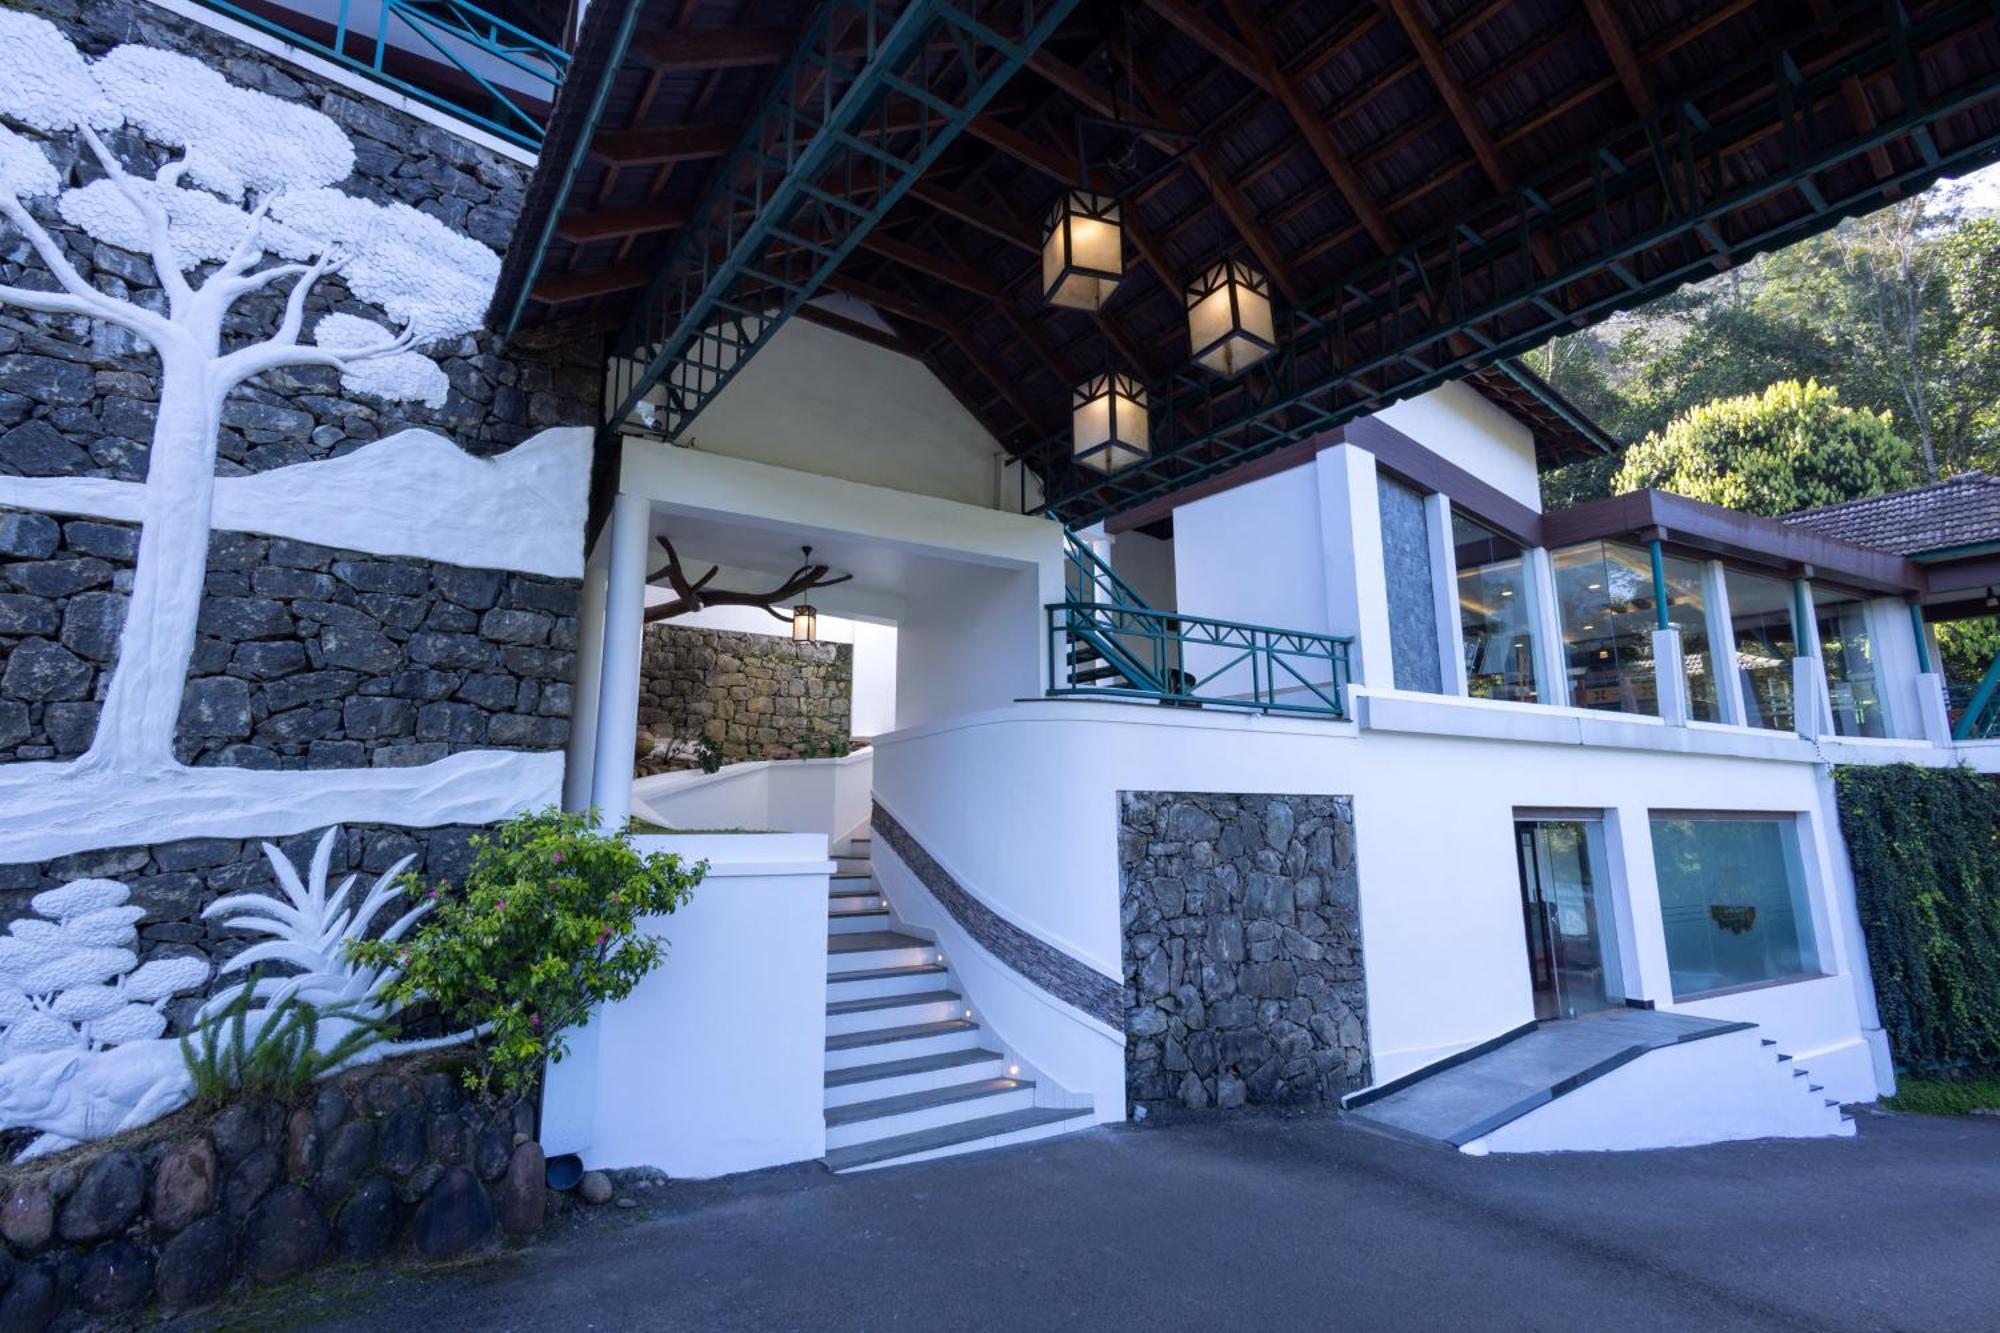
<point>910,1072</point>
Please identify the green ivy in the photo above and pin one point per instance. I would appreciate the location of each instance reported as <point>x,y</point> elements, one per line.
<point>1925,846</point>
<point>550,923</point>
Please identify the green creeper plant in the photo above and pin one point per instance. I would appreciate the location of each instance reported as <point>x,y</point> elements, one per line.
<point>1925,847</point>
<point>550,922</point>
<point>227,1057</point>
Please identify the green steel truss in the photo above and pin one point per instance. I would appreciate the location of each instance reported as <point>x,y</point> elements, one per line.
<point>1501,280</point>
<point>1980,720</point>
<point>869,98</point>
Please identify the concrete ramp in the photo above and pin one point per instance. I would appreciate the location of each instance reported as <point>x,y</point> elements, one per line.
<point>1622,1079</point>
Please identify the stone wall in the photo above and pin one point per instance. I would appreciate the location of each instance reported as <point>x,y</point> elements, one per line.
<point>382,1160</point>
<point>1242,946</point>
<point>1407,570</point>
<point>754,696</point>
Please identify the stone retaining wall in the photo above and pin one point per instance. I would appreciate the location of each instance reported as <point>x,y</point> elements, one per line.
<point>754,696</point>
<point>384,1159</point>
<point>1242,944</point>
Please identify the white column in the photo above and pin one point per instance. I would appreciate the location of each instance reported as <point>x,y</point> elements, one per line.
<point>1670,676</point>
<point>618,690</point>
<point>582,749</point>
<point>1545,615</point>
<point>1357,587</point>
<point>1812,707</point>
<point>1444,586</point>
<point>1722,647</point>
<point>1931,711</point>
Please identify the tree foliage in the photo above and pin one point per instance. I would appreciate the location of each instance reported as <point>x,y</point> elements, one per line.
<point>1793,446</point>
<point>1925,846</point>
<point>550,923</point>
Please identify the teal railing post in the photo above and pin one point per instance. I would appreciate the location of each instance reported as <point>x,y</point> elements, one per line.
<point>1923,640</point>
<point>1659,585</point>
<point>1973,724</point>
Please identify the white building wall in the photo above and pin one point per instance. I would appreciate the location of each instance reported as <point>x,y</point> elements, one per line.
<point>822,402</point>
<point>1460,426</point>
<point>1147,565</point>
<point>970,641</point>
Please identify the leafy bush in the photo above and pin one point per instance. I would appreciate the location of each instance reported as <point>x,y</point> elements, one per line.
<point>547,925</point>
<point>1945,1096</point>
<point>278,1057</point>
<point>1791,447</point>
<point>1925,845</point>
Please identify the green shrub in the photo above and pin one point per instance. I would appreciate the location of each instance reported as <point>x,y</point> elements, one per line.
<point>1791,447</point>
<point>280,1058</point>
<point>1944,1096</point>
<point>1925,846</point>
<point>547,925</point>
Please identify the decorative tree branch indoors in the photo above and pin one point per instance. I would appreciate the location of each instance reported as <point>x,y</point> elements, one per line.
<point>691,595</point>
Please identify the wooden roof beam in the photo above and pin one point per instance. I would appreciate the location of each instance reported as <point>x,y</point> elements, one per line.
<point>718,48</point>
<point>954,273</point>
<point>669,143</point>
<point>1446,80</point>
<point>612,224</point>
<point>1212,37</point>
<point>557,288</point>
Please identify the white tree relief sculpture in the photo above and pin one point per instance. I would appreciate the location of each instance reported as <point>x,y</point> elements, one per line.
<point>81,1050</point>
<point>247,208</point>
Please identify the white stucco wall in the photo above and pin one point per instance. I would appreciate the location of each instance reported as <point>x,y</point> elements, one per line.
<point>1454,422</point>
<point>822,402</point>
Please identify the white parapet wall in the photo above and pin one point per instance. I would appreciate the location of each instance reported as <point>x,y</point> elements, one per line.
<point>826,796</point>
<point>714,1064</point>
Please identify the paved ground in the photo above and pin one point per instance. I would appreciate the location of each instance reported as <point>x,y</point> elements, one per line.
<point>1262,1223</point>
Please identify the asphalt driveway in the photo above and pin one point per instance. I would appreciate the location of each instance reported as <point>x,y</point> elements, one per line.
<point>1252,1222</point>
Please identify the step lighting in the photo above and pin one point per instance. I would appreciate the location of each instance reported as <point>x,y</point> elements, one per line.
<point>1083,251</point>
<point>1229,318</point>
<point>1108,423</point>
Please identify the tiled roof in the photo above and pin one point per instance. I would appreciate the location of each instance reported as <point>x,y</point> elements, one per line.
<point>1958,511</point>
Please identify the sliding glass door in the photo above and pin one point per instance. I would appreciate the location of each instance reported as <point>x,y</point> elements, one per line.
<point>1572,940</point>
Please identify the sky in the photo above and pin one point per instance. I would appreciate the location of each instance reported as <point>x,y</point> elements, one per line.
<point>1983,189</point>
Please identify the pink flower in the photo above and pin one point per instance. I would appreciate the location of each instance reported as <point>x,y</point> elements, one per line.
<point>558,858</point>
<point>434,893</point>
<point>500,906</point>
<point>536,1020</point>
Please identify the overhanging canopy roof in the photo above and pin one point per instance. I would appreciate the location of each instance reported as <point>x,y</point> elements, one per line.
<point>1431,185</point>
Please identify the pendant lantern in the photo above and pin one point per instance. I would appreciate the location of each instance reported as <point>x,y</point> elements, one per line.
<point>1083,251</point>
<point>1108,423</point>
<point>1229,318</point>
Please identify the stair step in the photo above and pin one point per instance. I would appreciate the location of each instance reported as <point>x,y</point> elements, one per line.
<point>1095,674</point>
<point>856,904</point>
<point>848,1041</point>
<point>1800,1073</point>
<point>922,1064</point>
<point>1767,1041</point>
<point>1782,1057</point>
<point>890,1078</point>
<point>863,949</point>
<point>1835,1101</point>
<point>874,1002</point>
<point>857,921</point>
<point>861,983</point>
<point>1815,1087</point>
<point>966,1136</point>
<point>931,1108</point>
<point>864,888</point>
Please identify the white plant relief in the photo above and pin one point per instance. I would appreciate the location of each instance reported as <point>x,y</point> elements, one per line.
<point>82,1053</point>
<point>248,208</point>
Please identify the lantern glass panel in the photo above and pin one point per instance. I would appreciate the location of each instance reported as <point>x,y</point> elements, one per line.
<point>1229,319</point>
<point>1108,423</point>
<point>805,624</point>
<point>1083,253</point>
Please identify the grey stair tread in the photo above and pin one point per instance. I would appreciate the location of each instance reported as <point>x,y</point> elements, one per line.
<point>874,1002</point>
<point>1461,1102</point>
<point>918,1064</point>
<point>944,1027</point>
<point>864,889</point>
<point>944,1136</point>
<point>850,874</point>
<point>952,1093</point>
<point>847,912</point>
<point>870,941</point>
<point>1096,674</point>
<point>885,973</point>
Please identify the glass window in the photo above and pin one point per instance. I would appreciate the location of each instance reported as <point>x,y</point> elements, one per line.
<point>1760,618</point>
<point>1493,612</point>
<point>1733,901</point>
<point>1604,591</point>
<point>1851,684</point>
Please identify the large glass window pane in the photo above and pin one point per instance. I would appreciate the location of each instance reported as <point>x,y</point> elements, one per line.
<point>1851,684</point>
<point>1493,613</point>
<point>1604,592</point>
<point>1760,618</point>
<point>1733,901</point>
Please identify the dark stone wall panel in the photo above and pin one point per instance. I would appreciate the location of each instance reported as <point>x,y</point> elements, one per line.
<point>1242,941</point>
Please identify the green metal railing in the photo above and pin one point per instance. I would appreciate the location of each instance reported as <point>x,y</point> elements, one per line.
<point>1088,579</point>
<point>1244,666</point>
<point>1979,717</point>
<point>479,46</point>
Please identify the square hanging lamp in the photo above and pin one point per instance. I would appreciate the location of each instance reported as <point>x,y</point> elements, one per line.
<point>805,624</point>
<point>1229,318</point>
<point>1108,423</point>
<point>1083,251</point>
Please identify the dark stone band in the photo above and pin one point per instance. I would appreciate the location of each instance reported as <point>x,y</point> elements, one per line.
<point>1070,980</point>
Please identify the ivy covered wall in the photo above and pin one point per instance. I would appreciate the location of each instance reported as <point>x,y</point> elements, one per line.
<point>1925,845</point>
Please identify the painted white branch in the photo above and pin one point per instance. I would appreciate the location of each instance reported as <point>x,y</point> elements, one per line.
<point>56,809</point>
<point>92,302</point>
<point>165,266</point>
<point>413,494</point>
<point>248,362</point>
<point>247,251</point>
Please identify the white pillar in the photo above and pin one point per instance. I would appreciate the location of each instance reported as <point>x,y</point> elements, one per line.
<point>1931,710</point>
<point>582,749</point>
<point>1357,587</point>
<point>1444,585</point>
<point>1812,714</point>
<point>1722,647</point>
<point>1670,684</point>
<point>1545,618</point>
<point>618,690</point>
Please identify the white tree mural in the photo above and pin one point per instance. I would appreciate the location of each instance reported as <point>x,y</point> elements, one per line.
<point>248,206</point>
<point>81,1050</point>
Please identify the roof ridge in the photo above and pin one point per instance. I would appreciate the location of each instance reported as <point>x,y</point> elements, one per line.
<point>1956,479</point>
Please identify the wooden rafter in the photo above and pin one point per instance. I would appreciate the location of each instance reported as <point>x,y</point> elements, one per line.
<point>1416,26</point>
<point>718,48</point>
